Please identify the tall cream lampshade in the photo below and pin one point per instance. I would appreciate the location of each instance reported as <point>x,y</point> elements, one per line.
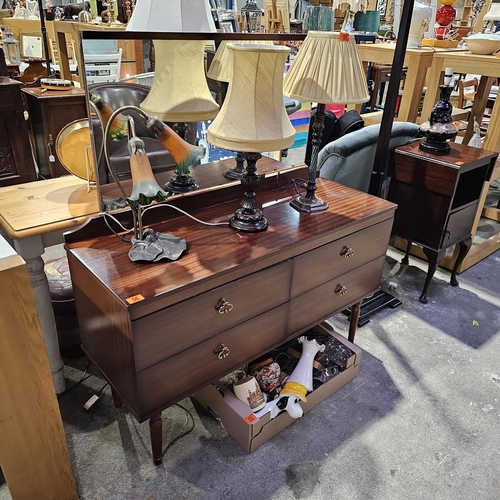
<point>180,92</point>
<point>220,69</point>
<point>327,70</point>
<point>253,119</point>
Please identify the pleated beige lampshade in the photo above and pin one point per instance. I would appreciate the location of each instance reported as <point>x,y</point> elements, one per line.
<point>180,91</point>
<point>220,67</point>
<point>253,117</point>
<point>327,70</point>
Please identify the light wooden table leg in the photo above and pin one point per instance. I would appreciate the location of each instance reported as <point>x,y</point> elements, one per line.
<point>478,106</point>
<point>62,48</point>
<point>31,250</point>
<point>432,94</point>
<point>492,139</point>
<point>412,93</point>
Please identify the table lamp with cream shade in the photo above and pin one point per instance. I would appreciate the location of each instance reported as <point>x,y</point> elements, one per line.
<point>220,70</point>
<point>327,70</point>
<point>179,92</point>
<point>492,15</point>
<point>253,119</point>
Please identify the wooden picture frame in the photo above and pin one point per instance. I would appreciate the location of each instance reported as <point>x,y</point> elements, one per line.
<point>31,45</point>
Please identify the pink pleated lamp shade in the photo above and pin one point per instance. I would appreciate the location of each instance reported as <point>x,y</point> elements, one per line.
<point>327,70</point>
<point>253,117</point>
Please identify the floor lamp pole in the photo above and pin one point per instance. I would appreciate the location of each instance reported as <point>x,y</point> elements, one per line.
<point>382,154</point>
<point>381,299</point>
<point>44,36</point>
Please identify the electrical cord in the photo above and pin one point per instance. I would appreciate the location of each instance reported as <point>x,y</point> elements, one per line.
<point>182,434</point>
<point>159,205</point>
<point>149,208</point>
<point>82,378</point>
<point>102,389</point>
<point>296,182</point>
<point>114,232</point>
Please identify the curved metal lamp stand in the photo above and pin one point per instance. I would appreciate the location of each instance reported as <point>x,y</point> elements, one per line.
<point>147,245</point>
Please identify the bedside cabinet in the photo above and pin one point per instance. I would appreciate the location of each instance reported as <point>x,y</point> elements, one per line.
<point>16,160</point>
<point>49,112</point>
<point>437,199</point>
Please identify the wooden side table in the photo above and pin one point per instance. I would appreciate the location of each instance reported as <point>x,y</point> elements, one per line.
<point>488,67</point>
<point>437,199</point>
<point>49,112</point>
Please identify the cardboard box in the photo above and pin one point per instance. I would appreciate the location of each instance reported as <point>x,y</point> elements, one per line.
<point>245,427</point>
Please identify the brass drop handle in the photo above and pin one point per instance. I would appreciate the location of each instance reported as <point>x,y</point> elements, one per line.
<point>347,252</point>
<point>222,351</point>
<point>224,306</point>
<point>341,289</point>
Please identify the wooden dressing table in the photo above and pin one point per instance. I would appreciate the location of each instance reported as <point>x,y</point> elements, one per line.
<point>155,330</point>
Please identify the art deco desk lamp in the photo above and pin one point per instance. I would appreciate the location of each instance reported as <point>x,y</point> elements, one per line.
<point>220,70</point>
<point>253,119</point>
<point>180,92</point>
<point>327,70</point>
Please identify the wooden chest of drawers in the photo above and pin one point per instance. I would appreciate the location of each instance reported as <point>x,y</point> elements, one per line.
<point>155,330</point>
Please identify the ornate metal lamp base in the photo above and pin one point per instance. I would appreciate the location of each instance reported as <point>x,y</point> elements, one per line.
<point>308,204</point>
<point>238,171</point>
<point>249,218</point>
<point>249,223</point>
<point>156,246</point>
<point>181,183</point>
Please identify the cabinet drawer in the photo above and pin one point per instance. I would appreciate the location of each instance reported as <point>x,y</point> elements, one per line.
<point>325,263</point>
<point>325,300</point>
<point>459,226</point>
<point>181,375</point>
<point>165,333</point>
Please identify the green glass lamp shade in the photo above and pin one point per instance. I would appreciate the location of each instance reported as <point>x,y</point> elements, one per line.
<point>145,189</point>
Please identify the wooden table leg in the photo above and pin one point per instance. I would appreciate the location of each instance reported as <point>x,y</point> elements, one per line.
<point>412,92</point>
<point>156,432</point>
<point>478,106</point>
<point>353,323</point>
<point>31,250</point>
<point>405,259</point>
<point>433,257</point>
<point>432,94</point>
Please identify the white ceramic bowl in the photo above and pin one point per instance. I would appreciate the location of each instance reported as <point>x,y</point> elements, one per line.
<point>485,44</point>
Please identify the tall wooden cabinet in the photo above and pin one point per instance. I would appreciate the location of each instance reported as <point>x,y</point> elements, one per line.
<point>49,113</point>
<point>16,159</point>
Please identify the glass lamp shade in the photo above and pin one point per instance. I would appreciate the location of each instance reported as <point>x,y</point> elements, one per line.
<point>327,70</point>
<point>11,47</point>
<point>180,69</point>
<point>253,117</point>
<point>221,66</point>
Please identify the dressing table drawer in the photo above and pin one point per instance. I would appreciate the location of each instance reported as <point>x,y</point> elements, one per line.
<point>335,295</point>
<point>163,334</point>
<point>169,381</point>
<point>339,257</point>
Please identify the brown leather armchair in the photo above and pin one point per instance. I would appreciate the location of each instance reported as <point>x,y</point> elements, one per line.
<point>116,95</point>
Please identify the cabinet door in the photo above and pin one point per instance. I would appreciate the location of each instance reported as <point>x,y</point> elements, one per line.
<point>16,163</point>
